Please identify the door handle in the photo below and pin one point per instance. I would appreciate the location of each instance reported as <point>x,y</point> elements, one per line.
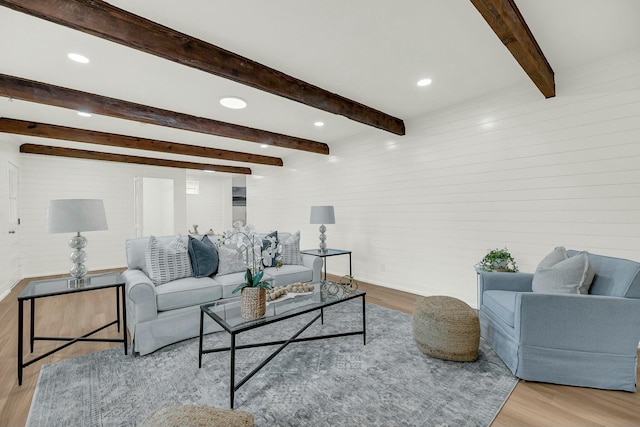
<point>12,231</point>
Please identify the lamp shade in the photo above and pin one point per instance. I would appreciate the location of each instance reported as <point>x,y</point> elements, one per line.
<point>322,215</point>
<point>75,215</point>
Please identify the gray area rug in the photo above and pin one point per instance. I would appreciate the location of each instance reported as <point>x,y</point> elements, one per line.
<point>334,382</point>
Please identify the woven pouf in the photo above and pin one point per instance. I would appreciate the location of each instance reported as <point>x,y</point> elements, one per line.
<point>198,416</point>
<point>446,328</point>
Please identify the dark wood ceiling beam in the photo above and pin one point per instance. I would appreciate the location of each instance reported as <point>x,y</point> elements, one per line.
<point>43,130</point>
<point>505,20</point>
<point>121,158</point>
<point>30,90</point>
<point>103,20</point>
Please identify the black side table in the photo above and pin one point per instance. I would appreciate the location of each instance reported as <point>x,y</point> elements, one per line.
<point>54,287</point>
<point>328,253</point>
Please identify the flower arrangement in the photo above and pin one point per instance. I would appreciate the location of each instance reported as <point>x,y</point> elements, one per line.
<point>498,260</point>
<point>250,244</point>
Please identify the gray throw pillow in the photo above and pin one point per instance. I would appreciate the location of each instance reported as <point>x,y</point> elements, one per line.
<point>167,263</point>
<point>230,261</point>
<point>204,257</point>
<point>559,274</point>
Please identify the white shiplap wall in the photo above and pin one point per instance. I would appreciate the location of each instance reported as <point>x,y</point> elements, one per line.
<point>211,208</point>
<point>44,178</point>
<point>511,169</point>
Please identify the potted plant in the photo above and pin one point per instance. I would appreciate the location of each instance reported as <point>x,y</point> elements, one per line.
<point>253,290</point>
<point>498,260</point>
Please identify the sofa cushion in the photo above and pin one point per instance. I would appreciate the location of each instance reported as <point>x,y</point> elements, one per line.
<point>204,257</point>
<point>187,292</point>
<point>559,274</point>
<point>167,263</point>
<point>289,274</point>
<point>269,245</point>
<point>502,304</point>
<point>228,282</point>
<point>230,261</point>
<point>291,249</point>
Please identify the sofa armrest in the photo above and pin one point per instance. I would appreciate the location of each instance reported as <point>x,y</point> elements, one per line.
<point>141,296</point>
<point>498,281</point>
<point>591,323</point>
<point>315,264</point>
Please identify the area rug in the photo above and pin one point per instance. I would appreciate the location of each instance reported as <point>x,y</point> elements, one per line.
<point>333,382</point>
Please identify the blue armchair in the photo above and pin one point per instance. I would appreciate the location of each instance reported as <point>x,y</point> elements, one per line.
<point>580,340</point>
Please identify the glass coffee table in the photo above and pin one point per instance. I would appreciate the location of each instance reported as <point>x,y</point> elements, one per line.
<point>227,314</point>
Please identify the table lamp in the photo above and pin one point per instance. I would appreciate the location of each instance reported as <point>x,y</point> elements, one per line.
<point>322,215</point>
<point>76,215</point>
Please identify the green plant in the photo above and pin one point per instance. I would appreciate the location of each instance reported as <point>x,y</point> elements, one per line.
<point>253,281</point>
<point>498,260</point>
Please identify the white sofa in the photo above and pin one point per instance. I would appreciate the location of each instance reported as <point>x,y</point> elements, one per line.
<point>161,315</point>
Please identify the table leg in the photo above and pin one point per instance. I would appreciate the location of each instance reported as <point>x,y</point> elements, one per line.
<point>201,333</point>
<point>20,333</point>
<point>364,320</point>
<point>32,327</point>
<point>232,379</point>
<point>118,307</point>
<point>350,274</point>
<point>124,319</point>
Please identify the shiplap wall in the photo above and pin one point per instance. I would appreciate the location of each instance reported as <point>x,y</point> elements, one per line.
<point>508,170</point>
<point>44,178</point>
<point>212,207</point>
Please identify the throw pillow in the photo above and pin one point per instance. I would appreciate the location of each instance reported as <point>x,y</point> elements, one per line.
<point>269,245</point>
<point>167,263</point>
<point>291,250</point>
<point>204,256</point>
<point>559,274</point>
<point>230,261</point>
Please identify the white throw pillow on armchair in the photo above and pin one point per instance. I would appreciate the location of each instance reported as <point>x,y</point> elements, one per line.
<point>558,273</point>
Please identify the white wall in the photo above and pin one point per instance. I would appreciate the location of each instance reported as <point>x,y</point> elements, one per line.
<point>511,169</point>
<point>45,177</point>
<point>211,208</point>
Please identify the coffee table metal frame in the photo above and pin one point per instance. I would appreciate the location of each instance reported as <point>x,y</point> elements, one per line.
<point>248,325</point>
<point>54,287</point>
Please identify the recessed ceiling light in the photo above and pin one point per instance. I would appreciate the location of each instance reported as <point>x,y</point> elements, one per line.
<point>319,124</point>
<point>78,58</point>
<point>264,146</point>
<point>84,114</point>
<point>424,82</point>
<point>233,103</point>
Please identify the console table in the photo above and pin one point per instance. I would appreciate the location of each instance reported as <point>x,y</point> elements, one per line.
<point>63,286</point>
<point>328,253</point>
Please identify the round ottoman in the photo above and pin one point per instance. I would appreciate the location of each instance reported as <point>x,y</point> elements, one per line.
<point>446,328</point>
<point>197,416</point>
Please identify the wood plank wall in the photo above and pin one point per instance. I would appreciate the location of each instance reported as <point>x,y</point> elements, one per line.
<point>510,169</point>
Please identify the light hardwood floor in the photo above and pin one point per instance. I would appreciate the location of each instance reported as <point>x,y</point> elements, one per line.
<point>531,404</point>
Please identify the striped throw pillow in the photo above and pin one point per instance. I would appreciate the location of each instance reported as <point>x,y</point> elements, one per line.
<point>167,263</point>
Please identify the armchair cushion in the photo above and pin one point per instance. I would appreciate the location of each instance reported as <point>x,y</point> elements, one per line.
<point>559,274</point>
<point>502,304</point>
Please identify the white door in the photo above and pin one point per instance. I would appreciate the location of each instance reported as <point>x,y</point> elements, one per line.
<point>13,222</point>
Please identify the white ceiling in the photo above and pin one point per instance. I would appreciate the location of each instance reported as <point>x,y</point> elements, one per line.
<point>371,51</point>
